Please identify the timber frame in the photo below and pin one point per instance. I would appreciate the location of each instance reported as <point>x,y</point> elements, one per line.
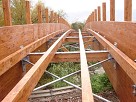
<point>26,51</point>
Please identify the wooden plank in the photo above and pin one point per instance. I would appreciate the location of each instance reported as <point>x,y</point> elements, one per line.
<point>39,13</point>
<point>51,17</point>
<point>92,56</point>
<point>9,79</point>
<point>127,10</point>
<point>47,15</point>
<point>127,64</point>
<point>112,10</point>
<point>122,33</point>
<point>28,15</point>
<point>12,59</point>
<point>87,95</point>
<point>99,13</point>
<point>7,12</point>
<point>29,81</point>
<point>104,11</point>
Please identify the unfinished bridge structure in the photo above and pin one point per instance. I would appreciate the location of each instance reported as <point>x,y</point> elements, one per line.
<point>27,50</point>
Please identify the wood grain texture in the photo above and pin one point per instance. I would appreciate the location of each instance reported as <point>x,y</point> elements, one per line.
<point>28,14</point>
<point>112,10</point>
<point>99,13</point>
<point>104,11</point>
<point>29,81</point>
<point>127,10</point>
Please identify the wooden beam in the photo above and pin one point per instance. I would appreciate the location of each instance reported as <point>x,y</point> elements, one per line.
<point>92,56</point>
<point>28,14</point>
<point>99,13</point>
<point>87,95</point>
<point>104,11</point>
<point>47,15</point>
<point>29,81</point>
<point>39,13</point>
<point>12,59</point>
<point>51,17</point>
<point>7,12</point>
<point>127,10</point>
<point>112,10</point>
<point>95,14</point>
<point>127,64</point>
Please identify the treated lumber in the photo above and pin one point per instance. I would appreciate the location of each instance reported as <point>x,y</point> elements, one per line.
<point>28,14</point>
<point>104,11</point>
<point>7,12</point>
<point>127,10</point>
<point>29,81</point>
<point>39,13</point>
<point>12,59</point>
<point>112,10</point>
<point>127,64</point>
<point>99,13</point>
<point>92,56</point>
<point>87,95</point>
<point>95,14</point>
<point>122,33</point>
<point>76,34</point>
<point>47,15</point>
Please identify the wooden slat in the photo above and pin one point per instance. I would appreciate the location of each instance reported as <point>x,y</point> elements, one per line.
<point>29,81</point>
<point>127,10</point>
<point>11,60</point>
<point>28,15</point>
<point>95,13</point>
<point>39,13</point>
<point>87,95</point>
<point>7,12</point>
<point>92,56</point>
<point>51,17</point>
<point>104,11</point>
<point>128,65</point>
<point>112,10</point>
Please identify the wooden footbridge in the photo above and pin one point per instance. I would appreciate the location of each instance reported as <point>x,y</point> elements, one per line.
<point>27,50</point>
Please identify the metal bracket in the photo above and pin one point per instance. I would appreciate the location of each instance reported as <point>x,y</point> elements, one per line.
<point>24,62</point>
<point>112,60</point>
<point>134,90</point>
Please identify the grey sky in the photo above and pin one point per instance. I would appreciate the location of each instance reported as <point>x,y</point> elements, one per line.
<point>78,10</point>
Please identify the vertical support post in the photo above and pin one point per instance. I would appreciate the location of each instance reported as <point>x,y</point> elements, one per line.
<point>7,12</point>
<point>51,17</point>
<point>104,11</point>
<point>95,13</point>
<point>127,10</point>
<point>93,16</point>
<point>39,13</point>
<point>47,15</point>
<point>58,18</point>
<point>55,17</point>
<point>99,13</point>
<point>112,10</point>
<point>28,15</point>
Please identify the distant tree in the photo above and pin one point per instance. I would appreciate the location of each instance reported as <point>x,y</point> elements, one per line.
<point>62,13</point>
<point>77,25</point>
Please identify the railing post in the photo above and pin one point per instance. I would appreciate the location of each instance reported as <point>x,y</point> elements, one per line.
<point>112,10</point>
<point>39,13</point>
<point>28,15</point>
<point>104,11</point>
<point>99,13</point>
<point>95,14</point>
<point>127,10</point>
<point>51,17</point>
<point>7,12</point>
<point>47,15</point>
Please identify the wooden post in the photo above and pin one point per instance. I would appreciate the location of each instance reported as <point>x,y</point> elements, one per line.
<point>55,17</point>
<point>39,13</point>
<point>99,13</point>
<point>104,11</point>
<point>28,15</point>
<point>47,15</point>
<point>51,17</point>
<point>112,10</point>
<point>58,18</point>
<point>7,12</point>
<point>95,14</point>
<point>127,10</point>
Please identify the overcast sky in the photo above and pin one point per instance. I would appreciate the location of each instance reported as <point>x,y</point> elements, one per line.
<point>78,10</point>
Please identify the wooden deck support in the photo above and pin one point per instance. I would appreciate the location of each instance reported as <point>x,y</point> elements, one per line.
<point>87,95</point>
<point>104,11</point>
<point>39,13</point>
<point>7,12</point>
<point>112,10</point>
<point>47,15</point>
<point>34,74</point>
<point>99,13</point>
